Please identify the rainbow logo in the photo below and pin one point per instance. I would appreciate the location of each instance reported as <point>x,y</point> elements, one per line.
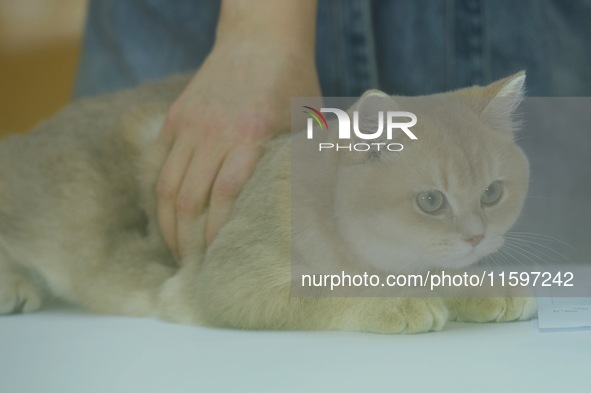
<point>316,115</point>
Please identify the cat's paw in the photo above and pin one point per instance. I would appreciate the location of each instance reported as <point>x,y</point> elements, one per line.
<point>18,294</point>
<point>404,315</point>
<point>492,309</point>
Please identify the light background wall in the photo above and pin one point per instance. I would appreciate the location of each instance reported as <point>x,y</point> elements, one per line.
<point>39,49</point>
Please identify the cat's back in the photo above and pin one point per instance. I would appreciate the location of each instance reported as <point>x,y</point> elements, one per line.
<point>89,121</point>
<point>79,154</point>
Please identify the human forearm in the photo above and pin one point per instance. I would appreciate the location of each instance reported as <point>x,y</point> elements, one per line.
<point>290,24</point>
<point>240,97</point>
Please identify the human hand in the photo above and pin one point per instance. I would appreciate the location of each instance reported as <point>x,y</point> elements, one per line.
<point>239,98</point>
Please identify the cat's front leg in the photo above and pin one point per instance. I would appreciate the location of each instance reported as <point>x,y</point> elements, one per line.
<point>491,308</point>
<point>187,300</point>
<point>395,315</point>
<point>374,315</point>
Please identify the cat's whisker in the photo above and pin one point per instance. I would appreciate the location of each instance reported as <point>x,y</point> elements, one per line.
<point>488,259</point>
<point>547,260</point>
<point>540,249</point>
<point>538,241</point>
<point>537,236</point>
<point>508,259</point>
<point>505,257</point>
<point>528,254</point>
<point>494,259</point>
<point>513,260</point>
<point>523,243</point>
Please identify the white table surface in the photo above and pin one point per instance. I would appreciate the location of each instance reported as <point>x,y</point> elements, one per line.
<point>64,350</point>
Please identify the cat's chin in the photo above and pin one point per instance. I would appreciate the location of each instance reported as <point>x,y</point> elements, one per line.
<point>459,263</point>
<point>468,258</point>
<point>469,255</point>
<point>458,260</point>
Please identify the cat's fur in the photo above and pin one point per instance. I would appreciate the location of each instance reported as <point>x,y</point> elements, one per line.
<point>77,219</point>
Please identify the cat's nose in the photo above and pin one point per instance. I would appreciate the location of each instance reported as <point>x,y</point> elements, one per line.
<point>474,240</point>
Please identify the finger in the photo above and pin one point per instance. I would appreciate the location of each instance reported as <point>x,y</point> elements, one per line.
<point>167,188</point>
<point>237,168</point>
<point>193,196</point>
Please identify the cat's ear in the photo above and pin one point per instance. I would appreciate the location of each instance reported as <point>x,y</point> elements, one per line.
<point>367,109</point>
<point>368,118</point>
<point>501,99</point>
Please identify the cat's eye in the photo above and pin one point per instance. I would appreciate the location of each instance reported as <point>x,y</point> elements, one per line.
<point>430,201</point>
<point>492,194</point>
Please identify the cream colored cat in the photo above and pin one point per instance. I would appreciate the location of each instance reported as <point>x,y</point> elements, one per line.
<point>77,218</point>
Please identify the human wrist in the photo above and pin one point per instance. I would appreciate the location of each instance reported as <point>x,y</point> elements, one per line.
<point>287,26</point>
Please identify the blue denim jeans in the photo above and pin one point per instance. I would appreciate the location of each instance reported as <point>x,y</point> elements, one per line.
<point>405,47</point>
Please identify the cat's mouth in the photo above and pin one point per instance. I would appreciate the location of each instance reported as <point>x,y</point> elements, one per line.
<point>477,252</point>
<point>468,255</point>
<point>474,250</point>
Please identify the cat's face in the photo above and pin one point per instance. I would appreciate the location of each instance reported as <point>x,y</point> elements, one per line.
<point>446,199</point>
